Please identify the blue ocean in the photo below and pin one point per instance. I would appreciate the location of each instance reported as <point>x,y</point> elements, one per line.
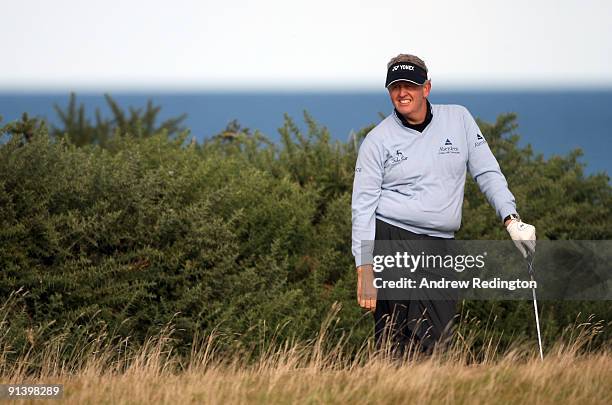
<point>553,122</point>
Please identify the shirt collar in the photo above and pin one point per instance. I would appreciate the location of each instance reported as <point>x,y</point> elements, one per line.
<point>417,127</point>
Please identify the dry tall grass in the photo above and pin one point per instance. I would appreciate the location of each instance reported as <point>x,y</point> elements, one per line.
<point>317,372</point>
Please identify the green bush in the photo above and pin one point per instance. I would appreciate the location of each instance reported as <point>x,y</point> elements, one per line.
<point>236,234</point>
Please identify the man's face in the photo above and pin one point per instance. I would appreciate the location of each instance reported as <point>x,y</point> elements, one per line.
<point>409,98</point>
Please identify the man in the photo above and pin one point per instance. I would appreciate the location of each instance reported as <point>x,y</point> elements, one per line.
<point>409,184</point>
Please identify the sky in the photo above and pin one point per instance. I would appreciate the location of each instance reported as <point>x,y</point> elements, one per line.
<point>314,44</point>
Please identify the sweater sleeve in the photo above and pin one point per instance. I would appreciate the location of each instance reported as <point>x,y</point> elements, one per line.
<point>485,169</point>
<point>366,193</point>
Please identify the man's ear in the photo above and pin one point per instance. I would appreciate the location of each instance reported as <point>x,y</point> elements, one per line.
<point>426,88</point>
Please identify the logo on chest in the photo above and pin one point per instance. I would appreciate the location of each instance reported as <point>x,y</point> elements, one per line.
<point>448,148</point>
<point>392,160</point>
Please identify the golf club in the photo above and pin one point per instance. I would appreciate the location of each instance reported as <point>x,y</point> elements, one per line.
<point>535,301</point>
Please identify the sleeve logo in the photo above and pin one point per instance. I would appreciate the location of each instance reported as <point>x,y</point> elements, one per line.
<point>479,140</point>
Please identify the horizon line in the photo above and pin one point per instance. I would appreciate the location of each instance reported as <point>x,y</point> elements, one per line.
<point>296,90</point>
<point>304,87</point>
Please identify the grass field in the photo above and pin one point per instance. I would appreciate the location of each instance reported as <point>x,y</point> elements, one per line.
<point>559,379</point>
<point>317,372</point>
<point>563,379</point>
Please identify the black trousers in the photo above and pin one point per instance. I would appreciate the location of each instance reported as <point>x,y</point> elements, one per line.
<point>412,323</point>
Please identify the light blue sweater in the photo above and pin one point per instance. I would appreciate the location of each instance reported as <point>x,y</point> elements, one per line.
<point>415,180</point>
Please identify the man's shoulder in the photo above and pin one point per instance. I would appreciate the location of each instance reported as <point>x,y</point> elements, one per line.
<point>449,109</point>
<point>378,132</point>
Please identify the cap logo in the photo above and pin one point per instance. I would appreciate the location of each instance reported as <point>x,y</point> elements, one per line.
<point>402,67</point>
<point>405,71</point>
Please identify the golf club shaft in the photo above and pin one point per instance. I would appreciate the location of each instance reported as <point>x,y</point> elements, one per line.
<point>535,309</point>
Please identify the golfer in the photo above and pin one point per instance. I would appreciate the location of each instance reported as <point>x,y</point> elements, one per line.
<point>408,186</point>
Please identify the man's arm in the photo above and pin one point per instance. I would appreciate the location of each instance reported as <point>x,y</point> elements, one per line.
<point>486,172</point>
<point>366,193</point>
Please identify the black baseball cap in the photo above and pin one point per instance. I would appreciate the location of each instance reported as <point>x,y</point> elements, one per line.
<point>407,72</point>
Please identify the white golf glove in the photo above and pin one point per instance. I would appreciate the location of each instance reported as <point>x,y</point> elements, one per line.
<point>523,235</point>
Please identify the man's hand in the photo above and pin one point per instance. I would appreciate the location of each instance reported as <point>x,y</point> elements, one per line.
<point>523,235</point>
<point>366,292</point>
